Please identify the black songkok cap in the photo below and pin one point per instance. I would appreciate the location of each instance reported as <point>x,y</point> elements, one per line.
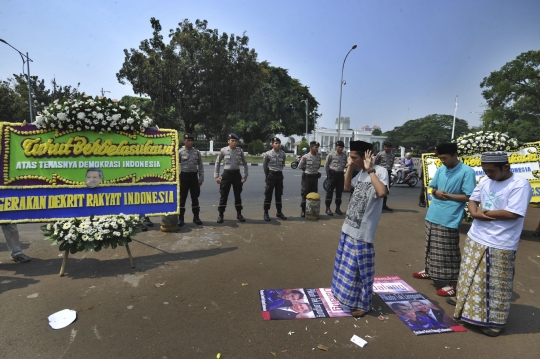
<point>447,148</point>
<point>360,146</point>
<point>340,143</point>
<point>275,139</point>
<point>314,143</point>
<point>188,136</point>
<point>233,136</point>
<point>494,157</point>
<point>387,143</point>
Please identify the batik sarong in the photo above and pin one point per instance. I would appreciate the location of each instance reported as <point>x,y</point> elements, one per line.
<point>485,285</point>
<point>354,272</point>
<point>443,256</point>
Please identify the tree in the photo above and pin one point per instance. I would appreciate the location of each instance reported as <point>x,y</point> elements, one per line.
<point>302,145</point>
<point>211,83</point>
<point>256,147</point>
<point>12,105</point>
<point>199,78</point>
<point>513,97</point>
<point>276,106</point>
<point>14,96</point>
<point>427,131</point>
<point>376,132</point>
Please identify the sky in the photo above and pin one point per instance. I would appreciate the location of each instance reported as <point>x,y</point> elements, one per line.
<point>413,57</point>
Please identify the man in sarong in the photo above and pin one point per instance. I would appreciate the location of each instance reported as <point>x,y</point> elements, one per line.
<point>451,186</point>
<point>354,268</point>
<point>498,206</point>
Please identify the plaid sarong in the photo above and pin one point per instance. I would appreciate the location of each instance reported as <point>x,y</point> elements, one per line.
<point>354,272</point>
<point>485,283</point>
<point>443,256</point>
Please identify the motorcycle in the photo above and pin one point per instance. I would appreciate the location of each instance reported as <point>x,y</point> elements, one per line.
<point>294,164</point>
<point>411,178</point>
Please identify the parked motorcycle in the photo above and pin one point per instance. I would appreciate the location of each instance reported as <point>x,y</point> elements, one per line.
<point>411,178</point>
<point>294,164</point>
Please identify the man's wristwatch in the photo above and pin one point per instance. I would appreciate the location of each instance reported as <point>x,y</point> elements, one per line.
<point>370,171</point>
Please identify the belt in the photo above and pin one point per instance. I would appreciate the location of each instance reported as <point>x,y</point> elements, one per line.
<point>312,174</point>
<point>232,171</point>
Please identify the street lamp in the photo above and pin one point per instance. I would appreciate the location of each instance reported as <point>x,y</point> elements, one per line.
<point>341,90</point>
<point>306,101</point>
<point>27,61</point>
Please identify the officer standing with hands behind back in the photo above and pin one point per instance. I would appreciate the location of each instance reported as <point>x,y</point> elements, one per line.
<point>273,163</point>
<point>191,178</point>
<point>310,164</point>
<point>336,162</point>
<point>232,158</point>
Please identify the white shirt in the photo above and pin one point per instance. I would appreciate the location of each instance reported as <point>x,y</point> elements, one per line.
<point>512,195</point>
<point>365,207</point>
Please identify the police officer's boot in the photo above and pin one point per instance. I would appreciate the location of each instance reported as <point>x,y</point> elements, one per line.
<point>338,211</point>
<point>280,215</point>
<point>303,213</point>
<point>220,217</point>
<point>329,211</point>
<point>197,220</point>
<point>180,221</point>
<point>266,216</point>
<point>240,217</point>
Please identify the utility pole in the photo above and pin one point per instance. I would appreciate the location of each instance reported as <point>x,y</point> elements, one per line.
<point>103,92</point>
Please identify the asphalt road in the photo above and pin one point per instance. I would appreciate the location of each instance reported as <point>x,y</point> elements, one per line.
<point>195,293</point>
<point>253,194</point>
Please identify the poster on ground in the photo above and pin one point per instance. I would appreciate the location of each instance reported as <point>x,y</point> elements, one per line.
<point>417,312</point>
<point>300,303</point>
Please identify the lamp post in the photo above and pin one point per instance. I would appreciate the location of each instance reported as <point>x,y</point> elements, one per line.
<point>306,101</point>
<point>341,91</point>
<point>27,61</point>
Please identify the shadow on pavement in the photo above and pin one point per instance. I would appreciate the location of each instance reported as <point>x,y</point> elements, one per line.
<point>10,283</point>
<point>83,268</point>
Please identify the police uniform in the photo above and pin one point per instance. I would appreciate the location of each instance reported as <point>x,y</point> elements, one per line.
<point>273,164</point>
<point>191,173</point>
<point>334,167</point>
<point>309,164</point>
<point>386,160</point>
<point>232,160</point>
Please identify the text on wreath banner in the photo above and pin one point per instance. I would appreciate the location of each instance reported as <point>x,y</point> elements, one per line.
<point>79,145</point>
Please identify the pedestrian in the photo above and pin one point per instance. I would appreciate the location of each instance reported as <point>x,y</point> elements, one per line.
<point>11,234</point>
<point>232,158</point>
<point>334,167</point>
<point>354,268</point>
<point>191,179</point>
<point>498,206</point>
<point>273,163</point>
<point>451,185</point>
<point>310,164</point>
<point>385,159</point>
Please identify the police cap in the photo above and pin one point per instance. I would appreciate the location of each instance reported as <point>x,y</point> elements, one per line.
<point>233,136</point>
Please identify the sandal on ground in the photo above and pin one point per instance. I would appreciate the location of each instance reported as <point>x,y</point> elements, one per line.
<point>451,301</point>
<point>491,332</point>
<point>421,275</point>
<point>358,313</point>
<point>537,232</point>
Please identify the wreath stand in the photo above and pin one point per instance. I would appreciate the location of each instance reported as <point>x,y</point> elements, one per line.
<point>66,254</point>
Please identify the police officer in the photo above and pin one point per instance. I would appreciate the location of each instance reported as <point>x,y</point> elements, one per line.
<point>191,178</point>
<point>273,163</point>
<point>385,159</point>
<point>232,158</point>
<point>335,164</point>
<point>310,164</point>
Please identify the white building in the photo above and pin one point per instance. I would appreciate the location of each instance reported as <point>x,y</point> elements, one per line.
<point>327,137</point>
